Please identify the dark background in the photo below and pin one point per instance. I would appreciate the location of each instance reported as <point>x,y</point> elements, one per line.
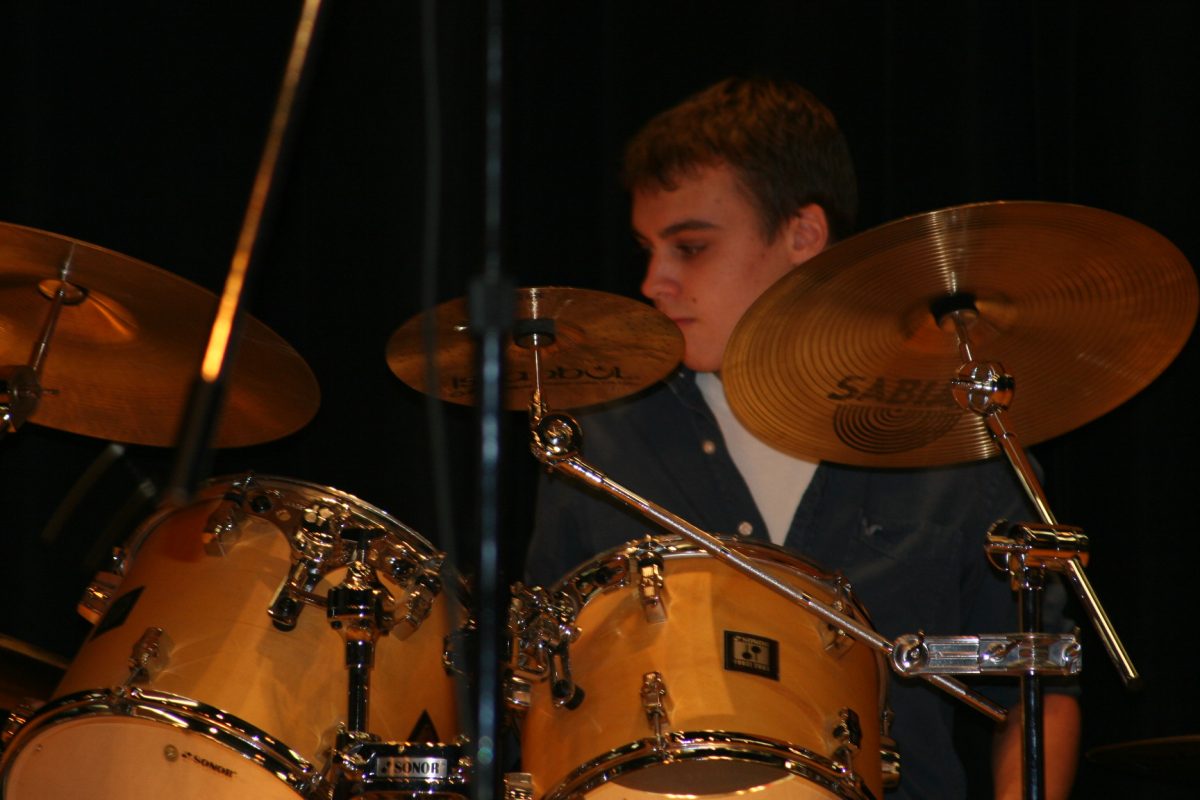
<point>138,126</point>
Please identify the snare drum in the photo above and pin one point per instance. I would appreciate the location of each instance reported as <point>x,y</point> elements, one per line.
<point>235,706</point>
<point>656,669</point>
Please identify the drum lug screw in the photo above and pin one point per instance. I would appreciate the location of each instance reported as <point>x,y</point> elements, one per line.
<point>651,586</point>
<point>150,656</point>
<point>848,733</point>
<point>654,703</point>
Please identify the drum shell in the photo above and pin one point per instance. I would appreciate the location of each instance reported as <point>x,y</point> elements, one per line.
<point>226,653</point>
<point>706,599</point>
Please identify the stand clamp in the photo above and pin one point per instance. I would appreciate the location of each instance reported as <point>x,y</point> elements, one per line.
<point>989,654</point>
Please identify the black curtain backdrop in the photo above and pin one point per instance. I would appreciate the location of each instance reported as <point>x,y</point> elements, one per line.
<point>138,126</point>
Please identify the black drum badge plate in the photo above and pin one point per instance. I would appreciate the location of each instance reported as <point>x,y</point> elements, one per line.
<point>758,655</point>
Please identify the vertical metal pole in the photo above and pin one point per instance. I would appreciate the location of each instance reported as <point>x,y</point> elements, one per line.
<point>1032,742</point>
<point>491,300</point>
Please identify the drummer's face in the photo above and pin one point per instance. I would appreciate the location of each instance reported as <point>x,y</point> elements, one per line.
<point>707,258</point>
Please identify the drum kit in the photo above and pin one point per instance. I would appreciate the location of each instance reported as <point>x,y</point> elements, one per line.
<point>271,637</point>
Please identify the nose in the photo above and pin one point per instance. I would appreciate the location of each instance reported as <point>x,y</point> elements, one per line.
<point>660,281</point>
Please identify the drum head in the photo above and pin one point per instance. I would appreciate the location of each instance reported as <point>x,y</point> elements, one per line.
<point>138,758</point>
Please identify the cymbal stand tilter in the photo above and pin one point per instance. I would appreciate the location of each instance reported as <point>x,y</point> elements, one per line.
<point>556,441</point>
<point>20,384</point>
<point>1026,551</point>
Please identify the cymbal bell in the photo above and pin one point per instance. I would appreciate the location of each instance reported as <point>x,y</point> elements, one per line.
<point>593,347</point>
<point>843,359</point>
<point>123,356</point>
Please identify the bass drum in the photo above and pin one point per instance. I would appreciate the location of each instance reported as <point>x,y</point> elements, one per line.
<point>685,677</point>
<point>228,704</point>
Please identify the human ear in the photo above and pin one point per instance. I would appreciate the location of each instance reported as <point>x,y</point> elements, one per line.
<point>807,232</point>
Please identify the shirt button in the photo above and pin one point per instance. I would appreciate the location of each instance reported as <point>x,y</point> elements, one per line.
<point>708,446</point>
<point>745,529</point>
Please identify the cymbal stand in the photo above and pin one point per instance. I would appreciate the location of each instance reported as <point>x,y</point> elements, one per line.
<point>986,389</point>
<point>556,441</point>
<point>20,384</point>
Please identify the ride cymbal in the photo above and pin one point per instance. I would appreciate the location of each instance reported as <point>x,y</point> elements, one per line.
<point>123,357</point>
<point>594,347</point>
<point>843,360</point>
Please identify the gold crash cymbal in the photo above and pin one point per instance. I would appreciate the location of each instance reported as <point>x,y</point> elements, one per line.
<point>842,359</point>
<point>121,362</point>
<point>604,346</point>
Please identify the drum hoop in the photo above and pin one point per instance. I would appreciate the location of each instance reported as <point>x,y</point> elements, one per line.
<point>213,488</point>
<point>253,744</point>
<point>712,745</point>
<point>582,592</point>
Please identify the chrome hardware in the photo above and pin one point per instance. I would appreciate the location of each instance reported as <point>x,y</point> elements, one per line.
<point>994,654</point>
<point>518,786</point>
<point>538,626</point>
<point>15,719</point>
<point>557,436</point>
<point>420,603</point>
<point>1031,546</point>
<point>562,686</point>
<point>150,655</point>
<point>654,704</point>
<point>104,585</point>
<point>848,734</point>
<point>224,526</point>
<point>651,588</point>
<point>372,768</point>
<point>834,638</point>
<point>357,610</point>
<point>296,589</point>
<point>540,630</point>
<point>518,693</point>
<point>889,762</point>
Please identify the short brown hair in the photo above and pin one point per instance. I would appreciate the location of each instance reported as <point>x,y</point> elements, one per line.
<point>782,142</point>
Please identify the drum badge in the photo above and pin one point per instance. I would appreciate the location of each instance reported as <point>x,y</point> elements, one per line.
<point>758,655</point>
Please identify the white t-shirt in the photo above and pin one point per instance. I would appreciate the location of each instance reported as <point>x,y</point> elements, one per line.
<point>777,480</point>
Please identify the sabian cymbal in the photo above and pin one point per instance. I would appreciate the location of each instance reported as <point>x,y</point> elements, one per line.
<point>122,360</point>
<point>601,347</point>
<point>842,359</point>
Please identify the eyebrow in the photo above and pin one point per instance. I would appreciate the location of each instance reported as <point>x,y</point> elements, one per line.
<point>681,227</point>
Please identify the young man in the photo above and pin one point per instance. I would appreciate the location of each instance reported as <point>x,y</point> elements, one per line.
<point>732,189</point>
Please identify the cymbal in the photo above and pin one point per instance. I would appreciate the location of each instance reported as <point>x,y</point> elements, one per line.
<point>1169,757</point>
<point>843,360</point>
<point>121,362</point>
<point>603,346</point>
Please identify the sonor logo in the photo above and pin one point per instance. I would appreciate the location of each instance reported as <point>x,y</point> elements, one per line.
<point>204,762</point>
<point>411,767</point>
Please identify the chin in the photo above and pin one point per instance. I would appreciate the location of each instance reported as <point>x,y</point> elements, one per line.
<point>702,364</point>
